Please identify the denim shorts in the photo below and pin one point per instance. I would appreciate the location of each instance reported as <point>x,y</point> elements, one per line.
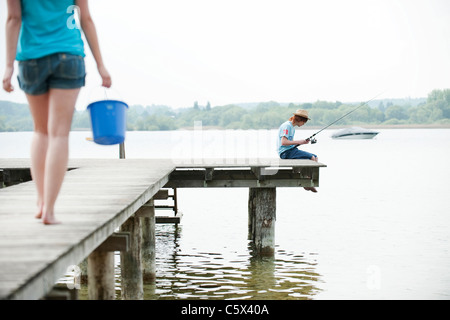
<point>295,153</point>
<point>59,70</point>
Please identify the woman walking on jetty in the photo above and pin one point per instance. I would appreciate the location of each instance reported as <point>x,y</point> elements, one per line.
<point>46,40</point>
<point>287,146</point>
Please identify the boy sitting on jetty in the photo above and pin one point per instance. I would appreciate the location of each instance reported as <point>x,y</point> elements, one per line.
<point>287,146</point>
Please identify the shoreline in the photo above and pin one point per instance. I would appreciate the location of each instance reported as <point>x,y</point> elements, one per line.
<point>367,126</point>
<point>391,126</point>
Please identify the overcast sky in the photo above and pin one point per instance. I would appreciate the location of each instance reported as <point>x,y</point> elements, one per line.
<point>175,52</point>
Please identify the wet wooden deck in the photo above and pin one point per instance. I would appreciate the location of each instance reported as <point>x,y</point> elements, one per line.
<point>97,197</point>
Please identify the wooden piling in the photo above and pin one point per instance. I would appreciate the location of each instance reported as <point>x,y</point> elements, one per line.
<point>83,265</point>
<point>251,212</point>
<point>262,216</point>
<point>148,257</point>
<point>101,275</point>
<point>122,150</point>
<point>130,262</point>
<point>99,267</point>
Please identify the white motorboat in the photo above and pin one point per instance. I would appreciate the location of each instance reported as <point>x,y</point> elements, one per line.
<point>354,133</point>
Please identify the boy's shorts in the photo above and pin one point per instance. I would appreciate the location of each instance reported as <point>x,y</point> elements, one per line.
<point>59,70</point>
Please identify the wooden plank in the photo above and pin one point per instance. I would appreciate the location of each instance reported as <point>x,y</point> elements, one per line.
<point>118,241</point>
<point>251,177</point>
<point>169,219</point>
<point>255,162</point>
<point>241,183</point>
<point>161,195</point>
<point>24,163</point>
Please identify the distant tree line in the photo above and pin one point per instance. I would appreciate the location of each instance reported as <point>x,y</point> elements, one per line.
<point>435,109</point>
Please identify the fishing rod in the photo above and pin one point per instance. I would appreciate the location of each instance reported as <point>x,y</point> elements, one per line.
<point>314,140</point>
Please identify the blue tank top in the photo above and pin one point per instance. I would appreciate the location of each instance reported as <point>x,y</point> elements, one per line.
<point>48,26</point>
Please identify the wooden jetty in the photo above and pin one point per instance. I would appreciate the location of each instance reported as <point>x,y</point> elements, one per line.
<point>108,205</point>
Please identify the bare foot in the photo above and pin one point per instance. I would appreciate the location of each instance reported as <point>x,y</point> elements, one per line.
<point>39,212</point>
<point>50,221</point>
<point>49,218</point>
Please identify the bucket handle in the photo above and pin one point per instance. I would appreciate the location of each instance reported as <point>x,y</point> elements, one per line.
<point>89,99</point>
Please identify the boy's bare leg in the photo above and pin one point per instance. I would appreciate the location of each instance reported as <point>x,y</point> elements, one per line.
<point>314,158</point>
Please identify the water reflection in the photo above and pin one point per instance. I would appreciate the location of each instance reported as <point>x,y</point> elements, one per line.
<point>221,275</point>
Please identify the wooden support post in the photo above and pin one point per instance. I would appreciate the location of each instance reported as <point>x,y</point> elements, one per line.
<point>209,174</point>
<point>101,275</point>
<point>130,262</point>
<point>175,201</point>
<point>100,267</point>
<point>122,150</point>
<point>148,256</point>
<point>251,212</point>
<point>262,216</point>
<point>83,271</point>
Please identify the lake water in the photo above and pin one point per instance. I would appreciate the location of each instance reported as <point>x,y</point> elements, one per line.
<point>379,227</point>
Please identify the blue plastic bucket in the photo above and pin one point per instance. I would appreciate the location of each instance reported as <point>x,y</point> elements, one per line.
<point>108,119</point>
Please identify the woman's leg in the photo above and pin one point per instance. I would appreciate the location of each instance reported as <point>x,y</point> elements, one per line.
<point>61,108</point>
<point>39,112</point>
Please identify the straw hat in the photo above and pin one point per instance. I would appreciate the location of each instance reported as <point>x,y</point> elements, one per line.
<point>302,113</point>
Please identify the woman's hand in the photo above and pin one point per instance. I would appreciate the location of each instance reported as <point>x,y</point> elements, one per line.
<point>7,86</point>
<point>106,78</point>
